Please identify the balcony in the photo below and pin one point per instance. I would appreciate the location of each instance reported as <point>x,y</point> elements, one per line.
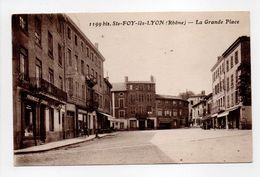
<point>41,85</point>
<point>91,80</point>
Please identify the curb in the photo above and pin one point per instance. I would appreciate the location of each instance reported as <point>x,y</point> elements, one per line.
<point>57,147</point>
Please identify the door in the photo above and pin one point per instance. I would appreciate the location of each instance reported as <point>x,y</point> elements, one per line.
<point>42,123</point>
<point>63,125</point>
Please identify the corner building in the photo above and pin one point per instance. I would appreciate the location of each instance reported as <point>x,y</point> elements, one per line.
<point>39,96</point>
<point>228,75</point>
<point>134,104</point>
<point>172,112</point>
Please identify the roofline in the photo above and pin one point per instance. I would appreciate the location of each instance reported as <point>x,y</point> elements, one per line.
<point>239,40</point>
<point>68,19</point>
<point>158,96</point>
<point>230,49</point>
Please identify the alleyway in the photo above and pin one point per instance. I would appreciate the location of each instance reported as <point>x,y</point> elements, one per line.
<point>149,147</point>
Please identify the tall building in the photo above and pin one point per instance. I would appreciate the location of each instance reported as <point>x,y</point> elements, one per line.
<point>134,101</point>
<point>59,90</point>
<point>231,86</point>
<point>85,80</point>
<point>171,111</point>
<point>39,94</point>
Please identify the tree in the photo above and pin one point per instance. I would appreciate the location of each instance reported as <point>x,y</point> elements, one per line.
<point>244,83</point>
<point>186,95</point>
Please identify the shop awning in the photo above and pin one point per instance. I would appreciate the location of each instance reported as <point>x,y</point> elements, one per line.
<point>214,115</point>
<point>109,117</point>
<point>223,114</point>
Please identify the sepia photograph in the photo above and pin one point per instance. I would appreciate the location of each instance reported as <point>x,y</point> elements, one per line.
<point>131,88</point>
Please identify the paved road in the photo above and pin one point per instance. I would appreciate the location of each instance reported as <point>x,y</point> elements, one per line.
<point>151,147</point>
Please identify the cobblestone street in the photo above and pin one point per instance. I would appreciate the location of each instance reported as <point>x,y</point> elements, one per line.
<point>152,147</point>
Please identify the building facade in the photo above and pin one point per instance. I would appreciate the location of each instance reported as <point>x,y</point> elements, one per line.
<point>59,90</point>
<point>39,95</point>
<point>229,109</point>
<point>85,81</point>
<point>134,102</point>
<point>193,100</point>
<point>171,112</point>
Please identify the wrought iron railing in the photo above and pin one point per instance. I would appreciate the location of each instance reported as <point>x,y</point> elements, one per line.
<point>41,85</point>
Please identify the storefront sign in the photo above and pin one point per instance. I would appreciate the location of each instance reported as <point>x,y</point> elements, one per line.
<point>30,97</point>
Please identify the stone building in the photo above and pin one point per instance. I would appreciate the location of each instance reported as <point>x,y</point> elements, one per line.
<point>171,112</point>
<point>193,100</point>
<point>84,78</point>
<point>58,82</point>
<point>39,96</point>
<point>134,101</point>
<point>229,74</point>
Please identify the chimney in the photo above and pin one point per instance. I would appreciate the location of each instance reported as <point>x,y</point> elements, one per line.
<point>219,58</point>
<point>96,45</point>
<point>152,78</point>
<point>203,92</point>
<point>126,78</point>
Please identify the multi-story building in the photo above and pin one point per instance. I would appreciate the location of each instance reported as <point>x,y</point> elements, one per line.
<point>119,107</point>
<point>39,96</point>
<point>206,120</point>
<point>84,76</point>
<point>134,101</point>
<point>171,111</point>
<point>193,100</point>
<point>229,110</point>
<point>58,82</point>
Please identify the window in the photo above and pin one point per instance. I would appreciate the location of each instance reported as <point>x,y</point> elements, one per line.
<point>232,81</point>
<point>82,67</point>
<point>236,57</point>
<point>130,87</point>
<point>70,86</point>
<point>37,31</point>
<point>50,44</point>
<point>121,102</point>
<point>174,113</point>
<point>87,52</point>
<point>51,119</point>
<point>60,54</point>
<point>180,112</point>
<point>191,102</point>
<point>23,22</point>
<point>92,72</point>
<point>228,101</point>
<point>23,64</point>
<point>61,82</point>
<point>76,40</point>
<point>87,69</point>
<point>51,76</point>
<point>83,92</point>
<point>159,113</point>
<point>77,88</point>
<point>227,84</point>
<point>227,65</point>
<point>59,26</point>
<point>69,57</point>
<point>76,62</point>
<point>231,62</point>
<point>69,33</point>
<point>38,72</point>
<point>82,46</point>
<point>91,56</point>
<point>121,113</point>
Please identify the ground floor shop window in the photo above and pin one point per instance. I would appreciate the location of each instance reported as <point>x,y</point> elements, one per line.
<point>133,124</point>
<point>51,119</point>
<point>29,120</point>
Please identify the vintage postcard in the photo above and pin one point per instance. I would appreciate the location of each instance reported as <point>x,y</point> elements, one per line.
<point>131,88</point>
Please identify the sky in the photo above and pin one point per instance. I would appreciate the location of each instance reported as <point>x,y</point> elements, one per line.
<point>178,56</point>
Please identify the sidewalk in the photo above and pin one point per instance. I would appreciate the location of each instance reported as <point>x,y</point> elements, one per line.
<point>59,144</point>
